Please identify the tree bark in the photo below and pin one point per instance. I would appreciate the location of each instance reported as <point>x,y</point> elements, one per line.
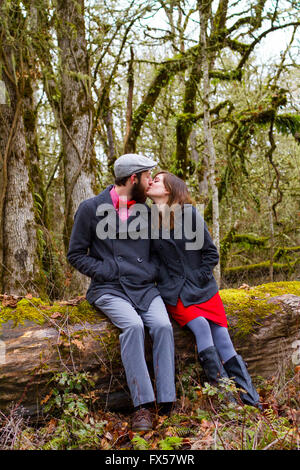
<point>76,116</point>
<point>130,81</point>
<point>30,122</point>
<point>18,244</point>
<point>32,353</point>
<point>208,137</point>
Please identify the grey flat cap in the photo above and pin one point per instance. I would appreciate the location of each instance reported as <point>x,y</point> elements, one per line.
<point>131,163</point>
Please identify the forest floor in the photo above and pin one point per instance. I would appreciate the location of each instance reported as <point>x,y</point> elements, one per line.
<point>202,420</point>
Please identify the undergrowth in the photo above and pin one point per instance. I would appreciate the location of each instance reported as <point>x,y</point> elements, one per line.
<point>203,418</point>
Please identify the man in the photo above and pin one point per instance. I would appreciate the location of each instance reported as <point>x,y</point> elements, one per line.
<point>122,284</point>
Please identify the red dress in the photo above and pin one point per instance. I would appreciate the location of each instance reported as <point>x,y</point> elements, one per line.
<point>212,309</point>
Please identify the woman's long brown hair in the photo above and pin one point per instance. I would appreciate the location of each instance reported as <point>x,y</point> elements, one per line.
<point>179,193</point>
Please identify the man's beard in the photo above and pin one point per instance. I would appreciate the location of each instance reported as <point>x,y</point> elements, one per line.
<point>138,193</point>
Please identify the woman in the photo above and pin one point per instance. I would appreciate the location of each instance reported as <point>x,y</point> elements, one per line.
<point>187,284</point>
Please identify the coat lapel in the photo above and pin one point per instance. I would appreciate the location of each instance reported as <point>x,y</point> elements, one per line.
<point>114,221</point>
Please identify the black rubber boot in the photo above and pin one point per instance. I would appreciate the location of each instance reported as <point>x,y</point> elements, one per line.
<point>237,370</point>
<point>212,365</point>
<point>213,369</point>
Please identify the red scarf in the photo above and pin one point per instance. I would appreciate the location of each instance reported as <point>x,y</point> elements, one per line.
<point>129,204</point>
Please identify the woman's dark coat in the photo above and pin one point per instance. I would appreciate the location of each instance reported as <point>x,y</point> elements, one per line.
<point>183,272</point>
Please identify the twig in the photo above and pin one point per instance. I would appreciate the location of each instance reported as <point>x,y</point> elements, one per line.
<point>271,444</point>
<point>216,427</point>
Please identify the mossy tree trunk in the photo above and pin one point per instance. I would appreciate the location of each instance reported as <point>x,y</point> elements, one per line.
<point>161,79</point>
<point>206,59</point>
<point>186,119</point>
<point>17,216</point>
<point>36,174</point>
<point>30,121</point>
<point>39,340</point>
<point>76,115</point>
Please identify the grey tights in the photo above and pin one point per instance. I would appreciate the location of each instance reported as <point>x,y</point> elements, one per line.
<point>208,333</point>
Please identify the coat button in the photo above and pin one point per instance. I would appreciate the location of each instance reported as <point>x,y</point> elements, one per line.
<point>120,258</point>
<point>140,260</point>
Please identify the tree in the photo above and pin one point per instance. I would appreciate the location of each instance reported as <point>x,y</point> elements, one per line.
<point>76,108</point>
<point>209,148</point>
<point>18,243</point>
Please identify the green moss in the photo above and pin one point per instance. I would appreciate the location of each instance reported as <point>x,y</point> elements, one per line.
<point>225,246</point>
<point>248,239</point>
<point>244,307</point>
<point>26,309</point>
<point>82,312</point>
<point>29,120</point>
<point>230,75</point>
<point>283,251</point>
<point>38,311</point>
<point>68,119</point>
<point>277,288</point>
<point>262,267</point>
<point>27,90</point>
<point>111,345</point>
<point>248,306</point>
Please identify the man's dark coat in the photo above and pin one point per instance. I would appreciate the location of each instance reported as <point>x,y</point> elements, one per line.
<point>123,267</point>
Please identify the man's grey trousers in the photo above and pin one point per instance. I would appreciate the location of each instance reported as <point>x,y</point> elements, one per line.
<point>123,315</point>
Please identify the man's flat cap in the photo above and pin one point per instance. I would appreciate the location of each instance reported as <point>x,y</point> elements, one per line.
<point>131,163</point>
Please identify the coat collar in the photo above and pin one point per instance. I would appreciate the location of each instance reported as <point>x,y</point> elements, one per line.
<point>105,198</point>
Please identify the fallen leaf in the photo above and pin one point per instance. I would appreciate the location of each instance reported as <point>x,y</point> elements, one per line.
<point>202,444</point>
<point>205,424</point>
<point>110,425</point>
<point>10,300</point>
<point>46,398</point>
<point>75,301</point>
<point>244,286</point>
<point>56,315</point>
<point>148,435</point>
<point>52,425</point>
<point>104,444</point>
<point>79,344</point>
<point>186,441</point>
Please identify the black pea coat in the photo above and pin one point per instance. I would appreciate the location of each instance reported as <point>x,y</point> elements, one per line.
<point>187,273</point>
<point>118,266</point>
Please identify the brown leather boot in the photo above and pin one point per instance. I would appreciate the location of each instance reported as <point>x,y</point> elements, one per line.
<point>141,420</point>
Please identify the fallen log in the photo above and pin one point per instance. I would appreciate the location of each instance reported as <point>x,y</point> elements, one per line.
<point>38,340</point>
<point>248,272</point>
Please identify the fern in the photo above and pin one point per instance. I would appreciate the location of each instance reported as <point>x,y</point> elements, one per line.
<point>183,431</point>
<point>288,124</point>
<point>170,443</point>
<point>139,443</point>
